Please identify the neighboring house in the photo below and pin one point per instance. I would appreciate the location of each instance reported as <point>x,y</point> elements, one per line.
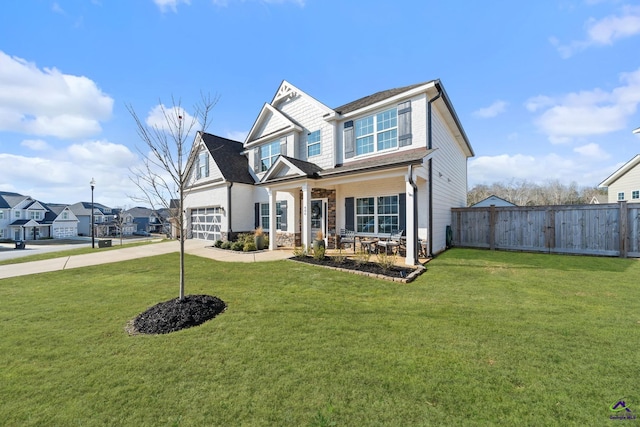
<point>24,218</point>
<point>141,219</point>
<point>492,200</point>
<point>103,218</point>
<point>599,199</point>
<point>624,184</point>
<point>394,160</point>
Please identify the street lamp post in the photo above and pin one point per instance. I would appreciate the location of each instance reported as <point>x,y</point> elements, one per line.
<point>93,233</point>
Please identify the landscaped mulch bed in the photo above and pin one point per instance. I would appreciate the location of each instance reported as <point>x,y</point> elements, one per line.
<point>177,314</point>
<point>395,273</point>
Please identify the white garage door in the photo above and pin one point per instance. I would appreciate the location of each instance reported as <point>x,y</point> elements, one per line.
<point>205,223</point>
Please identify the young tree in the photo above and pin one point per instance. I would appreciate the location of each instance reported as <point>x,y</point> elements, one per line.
<point>164,172</point>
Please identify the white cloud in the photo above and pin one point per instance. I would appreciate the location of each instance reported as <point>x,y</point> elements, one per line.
<point>587,113</point>
<point>519,167</point>
<point>498,107</point>
<point>35,144</point>
<point>168,118</point>
<point>604,32</point>
<point>49,103</point>
<point>172,5</point>
<point>106,154</point>
<point>592,150</point>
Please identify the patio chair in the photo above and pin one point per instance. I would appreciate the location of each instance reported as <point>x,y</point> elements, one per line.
<point>393,242</point>
<point>348,237</point>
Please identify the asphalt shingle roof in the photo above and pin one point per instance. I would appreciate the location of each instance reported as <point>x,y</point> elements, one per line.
<point>228,156</point>
<point>376,97</point>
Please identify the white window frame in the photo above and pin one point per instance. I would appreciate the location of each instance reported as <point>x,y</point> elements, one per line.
<point>375,211</point>
<point>313,143</point>
<point>621,196</point>
<point>264,216</point>
<point>377,132</point>
<point>17,214</point>
<point>635,194</point>
<point>268,154</point>
<point>1,214</point>
<point>35,215</point>
<point>203,165</point>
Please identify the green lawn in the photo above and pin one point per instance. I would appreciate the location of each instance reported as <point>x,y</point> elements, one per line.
<point>481,338</point>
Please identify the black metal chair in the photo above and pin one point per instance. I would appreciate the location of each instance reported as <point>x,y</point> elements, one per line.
<point>348,237</point>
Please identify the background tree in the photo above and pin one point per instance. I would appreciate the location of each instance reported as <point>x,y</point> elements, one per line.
<point>164,173</point>
<point>525,193</point>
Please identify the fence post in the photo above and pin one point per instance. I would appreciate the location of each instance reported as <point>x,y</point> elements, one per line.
<point>624,219</point>
<point>492,227</point>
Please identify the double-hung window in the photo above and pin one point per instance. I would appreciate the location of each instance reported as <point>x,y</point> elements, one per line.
<point>378,132</point>
<point>635,194</point>
<point>264,216</point>
<point>621,196</point>
<point>268,154</point>
<point>35,215</point>
<point>313,144</point>
<point>377,214</point>
<point>1,214</point>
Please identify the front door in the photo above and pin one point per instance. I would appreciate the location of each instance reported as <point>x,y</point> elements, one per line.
<point>319,218</point>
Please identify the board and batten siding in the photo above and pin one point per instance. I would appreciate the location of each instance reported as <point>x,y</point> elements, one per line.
<point>449,175</point>
<point>606,229</point>
<point>627,183</point>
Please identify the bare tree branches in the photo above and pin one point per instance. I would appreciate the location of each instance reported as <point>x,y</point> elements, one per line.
<point>524,193</point>
<point>167,158</point>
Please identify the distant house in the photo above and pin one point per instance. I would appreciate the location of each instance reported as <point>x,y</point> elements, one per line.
<point>394,161</point>
<point>492,200</point>
<point>103,218</point>
<point>24,218</point>
<point>599,199</point>
<point>141,219</point>
<point>624,184</point>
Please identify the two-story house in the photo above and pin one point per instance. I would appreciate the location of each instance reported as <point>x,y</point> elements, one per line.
<point>624,183</point>
<point>392,161</point>
<point>23,218</point>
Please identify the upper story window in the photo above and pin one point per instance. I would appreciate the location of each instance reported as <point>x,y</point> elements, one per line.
<point>17,214</point>
<point>65,215</point>
<point>268,154</point>
<point>35,215</point>
<point>1,214</point>
<point>621,196</point>
<point>377,132</point>
<point>203,165</point>
<point>635,194</point>
<point>313,144</point>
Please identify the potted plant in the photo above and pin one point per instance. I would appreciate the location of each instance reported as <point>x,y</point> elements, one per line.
<point>258,238</point>
<point>319,241</point>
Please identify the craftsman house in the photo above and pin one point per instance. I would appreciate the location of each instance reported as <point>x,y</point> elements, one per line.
<point>392,161</point>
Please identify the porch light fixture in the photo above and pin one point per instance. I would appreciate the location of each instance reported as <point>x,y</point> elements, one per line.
<point>93,234</point>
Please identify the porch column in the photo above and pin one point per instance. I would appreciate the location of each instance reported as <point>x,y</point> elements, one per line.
<point>306,215</point>
<point>272,219</point>
<point>412,221</point>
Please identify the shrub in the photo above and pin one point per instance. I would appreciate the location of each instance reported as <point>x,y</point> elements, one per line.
<point>318,253</point>
<point>237,246</point>
<point>225,245</point>
<point>299,252</point>
<point>249,246</point>
<point>218,243</point>
<point>245,238</point>
<point>386,261</point>
<point>362,257</point>
<point>340,257</point>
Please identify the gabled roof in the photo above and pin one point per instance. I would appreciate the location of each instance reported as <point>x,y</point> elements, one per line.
<point>229,158</point>
<point>621,171</point>
<point>12,199</point>
<point>84,208</point>
<point>269,111</point>
<point>295,168</point>
<point>492,200</point>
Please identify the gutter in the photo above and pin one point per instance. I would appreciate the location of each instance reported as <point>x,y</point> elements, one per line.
<point>229,228</point>
<point>430,168</point>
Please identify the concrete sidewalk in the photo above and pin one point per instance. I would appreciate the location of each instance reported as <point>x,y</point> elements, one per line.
<point>193,247</point>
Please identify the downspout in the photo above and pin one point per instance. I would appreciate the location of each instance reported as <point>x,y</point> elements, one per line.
<point>229,228</point>
<point>415,215</point>
<point>430,169</point>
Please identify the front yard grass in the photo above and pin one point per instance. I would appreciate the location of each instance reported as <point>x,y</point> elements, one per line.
<point>482,338</point>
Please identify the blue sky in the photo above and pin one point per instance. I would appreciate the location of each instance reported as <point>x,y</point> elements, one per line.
<point>545,90</point>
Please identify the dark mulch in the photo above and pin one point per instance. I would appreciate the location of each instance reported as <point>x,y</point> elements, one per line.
<point>177,314</point>
<point>350,264</point>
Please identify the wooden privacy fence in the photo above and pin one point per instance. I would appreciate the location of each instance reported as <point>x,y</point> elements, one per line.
<point>608,229</point>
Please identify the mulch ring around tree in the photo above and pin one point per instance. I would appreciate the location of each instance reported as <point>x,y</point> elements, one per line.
<point>176,314</point>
